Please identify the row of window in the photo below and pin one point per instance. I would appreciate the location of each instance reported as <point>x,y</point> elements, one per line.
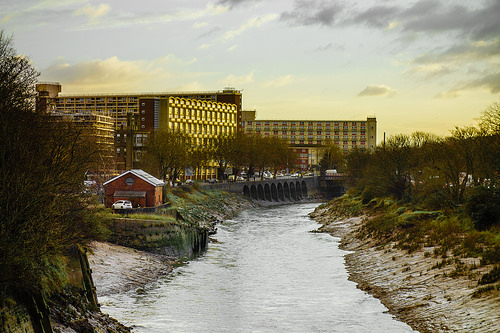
<point>180,102</point>
<point>93,100</point>
<point>318,142</point>
<point>311,133</point>
<point>202,115</point>
<point>201,128</point>
<point>309,124</point>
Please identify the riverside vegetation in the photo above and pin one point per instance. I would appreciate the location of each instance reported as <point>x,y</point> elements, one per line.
<point>432,270</point>
<point>422,216</point>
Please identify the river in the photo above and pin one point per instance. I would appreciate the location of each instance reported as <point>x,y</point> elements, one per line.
<point>266,273</point>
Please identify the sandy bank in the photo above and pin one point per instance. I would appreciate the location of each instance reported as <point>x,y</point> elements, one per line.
<point>117,269</point>
<point>408,285</point>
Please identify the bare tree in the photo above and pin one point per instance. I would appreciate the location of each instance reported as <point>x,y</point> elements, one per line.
<point>167,150</point>
<point>43,211</point>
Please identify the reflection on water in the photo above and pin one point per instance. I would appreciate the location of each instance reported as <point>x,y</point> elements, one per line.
<point>268,273</point>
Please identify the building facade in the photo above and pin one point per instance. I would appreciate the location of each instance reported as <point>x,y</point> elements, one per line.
<point>307,138</point>
<point>201,115</point>
<point>118,106</point>
<point>99,131</point>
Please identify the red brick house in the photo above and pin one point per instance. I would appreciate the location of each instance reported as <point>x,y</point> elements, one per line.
<point>135,185</point>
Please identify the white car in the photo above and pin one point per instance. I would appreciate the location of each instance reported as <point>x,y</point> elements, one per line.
<point>122,204</point>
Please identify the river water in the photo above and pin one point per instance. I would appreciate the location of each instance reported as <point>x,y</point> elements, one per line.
<point>266,273</point>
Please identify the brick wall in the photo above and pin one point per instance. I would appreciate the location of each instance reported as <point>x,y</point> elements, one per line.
<point>154,196</point>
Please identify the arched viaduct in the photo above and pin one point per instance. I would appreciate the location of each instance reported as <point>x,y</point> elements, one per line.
<point>273,190</point>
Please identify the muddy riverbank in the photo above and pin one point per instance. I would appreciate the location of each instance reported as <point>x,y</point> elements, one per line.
<point>413,286</point>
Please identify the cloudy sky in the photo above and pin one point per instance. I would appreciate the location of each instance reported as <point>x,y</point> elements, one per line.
<point>426,65</point>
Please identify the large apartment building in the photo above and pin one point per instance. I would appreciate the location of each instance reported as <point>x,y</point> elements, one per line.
<point>308,137</point>
<point>98,130</point>
<point>202,115</point>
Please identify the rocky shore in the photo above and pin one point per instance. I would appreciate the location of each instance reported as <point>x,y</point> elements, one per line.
<point>413,286</point>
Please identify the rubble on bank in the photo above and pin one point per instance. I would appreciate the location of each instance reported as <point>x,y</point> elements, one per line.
<point>414,287</point>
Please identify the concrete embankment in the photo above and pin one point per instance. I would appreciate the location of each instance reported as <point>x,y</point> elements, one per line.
<point>413,286</point>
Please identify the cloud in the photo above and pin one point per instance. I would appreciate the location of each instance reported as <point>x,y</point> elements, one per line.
<point>198,25</point>
<point>433,16</point>
<point>478,20</point>
<point>432,70</point>
<point>110,74</point>
<point>379,90</point>
<point>312,12</point>
<point>467,51</point>
<point>329,46</point>
<point>233,80</point>
<point>235,3</point>
<point>378,16</point>
<point>93,13</point>
<point>279,82</point>
<point>251,23</point>
<point>489,82</point>
<point>210,32</point>
<point>447,95</point>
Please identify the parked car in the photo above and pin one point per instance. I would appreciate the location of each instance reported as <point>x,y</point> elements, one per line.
<point>189,182</point>
<point>240,179</point>
<point>122,204</point>
<point>212,181</point>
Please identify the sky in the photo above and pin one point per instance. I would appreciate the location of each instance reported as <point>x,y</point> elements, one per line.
<point>421,65</point>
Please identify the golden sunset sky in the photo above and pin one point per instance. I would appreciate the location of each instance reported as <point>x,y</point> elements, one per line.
<point>422,65</point>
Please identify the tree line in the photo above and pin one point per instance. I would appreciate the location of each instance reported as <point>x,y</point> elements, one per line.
<point>458,172</point>
<point>169,153</point>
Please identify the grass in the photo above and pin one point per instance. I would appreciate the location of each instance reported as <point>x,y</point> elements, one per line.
<point>491,277</point>
<point>451,234</point>
<point>483,290</point>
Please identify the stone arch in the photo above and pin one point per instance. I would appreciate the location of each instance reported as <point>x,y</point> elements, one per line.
<point>246,191</point>
<point>286,191</point>
<point>281,193</point>
<point>293,194</point>
<point>253,193</point>
<point>304,189</point>
<point>298,190</point>
<point>260,192</point>
<point>267,192</point>
<point>274,192</point>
